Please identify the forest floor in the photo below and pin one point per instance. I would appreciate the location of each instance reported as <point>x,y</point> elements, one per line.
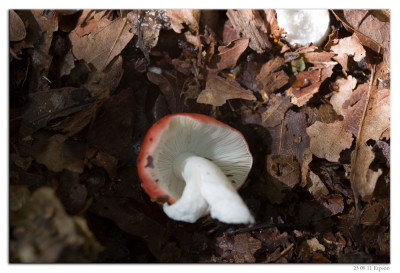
<point>85,86</point>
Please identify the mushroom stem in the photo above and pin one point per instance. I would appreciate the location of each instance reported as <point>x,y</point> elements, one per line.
<point>207,189</point>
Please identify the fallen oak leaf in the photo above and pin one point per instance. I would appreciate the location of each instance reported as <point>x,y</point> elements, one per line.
<point>374,123</point>
<point>310,81</point>
<point>218,90</point>
<point>372,31</point>
<point>327,140</point>
<point>350,46</point>
<point>105,42</point>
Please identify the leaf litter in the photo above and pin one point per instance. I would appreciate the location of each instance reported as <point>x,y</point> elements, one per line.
<point>87,84</point>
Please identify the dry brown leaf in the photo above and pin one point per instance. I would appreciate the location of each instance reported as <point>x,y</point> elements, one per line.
<point>47,105</point>
<point>271,76</point>
<point>17,27</point>
<point>101,83</point>
<point>311,80</point>
<point>106,161</point>
<point>229,33</point>
<point>278,105</point>
<point>56,154</point>
<point>244,248</point>
<point>353,108</point>
<point>285,170</point>
<point>88,20</point>
<point>227,56</point>
<point>189,17</point>
<point>167,82</point>
<point>290,138</point>
<point>250,24</point>
<point>328,140</point>
<point>375,122</point>
<point>104,42</point>
<point>345,89</point>
<point>317,187</point>
<point>369,25</point>
<point>218,90</point>
<point>350,46</point>
<point>318,58</point>
<point>334,203</point>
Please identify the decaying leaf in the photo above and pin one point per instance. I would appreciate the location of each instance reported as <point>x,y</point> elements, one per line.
<point>274,115</point>
<point>345,89</point>
<point>285,169</point>
<point>328,140</point>
<point>239,249</point>
<point>350,46</point>
<point>375,121</point>
<point>334,203</point>
<point>250,24</point>
<point>271,76</point>
<point>218,90</point>
<point>170,87</point>
<point>307,84</point>
<point>56,153</point>
<point>104,42</point>
<point>227,56</point>
<point>17,27</point>
<point>189,17</point>
<point>317,187</point>
<point>369,27</point>
<point>105,160</point>
<point>290,138</point>
<point>47,105</point>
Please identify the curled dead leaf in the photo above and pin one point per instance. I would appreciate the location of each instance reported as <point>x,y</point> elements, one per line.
<point>227,56</point>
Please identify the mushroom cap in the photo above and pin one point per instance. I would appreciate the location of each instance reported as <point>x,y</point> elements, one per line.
<point>304,25</point>
<point>195,133</point>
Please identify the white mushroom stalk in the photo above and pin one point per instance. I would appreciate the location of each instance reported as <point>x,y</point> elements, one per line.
<point>207,190</point>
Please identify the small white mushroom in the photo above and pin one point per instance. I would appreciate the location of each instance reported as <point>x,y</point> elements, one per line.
<point>304,26</point>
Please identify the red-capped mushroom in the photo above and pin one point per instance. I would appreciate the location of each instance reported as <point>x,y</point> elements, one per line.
<point>196,163</point>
